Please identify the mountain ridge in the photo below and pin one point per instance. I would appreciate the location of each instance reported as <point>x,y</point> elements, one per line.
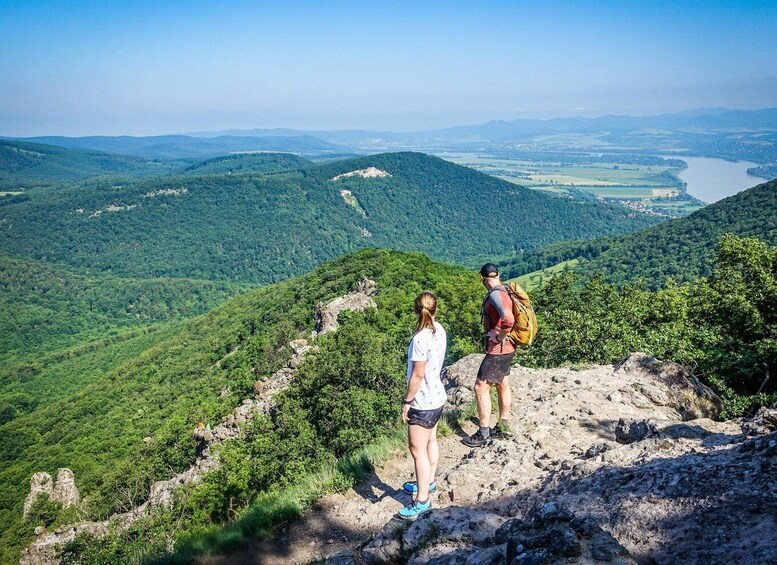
<point>181,146</point>
<point>262,228</point>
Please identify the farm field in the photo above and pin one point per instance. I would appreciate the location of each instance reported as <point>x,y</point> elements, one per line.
<point>654,187</point>
<point>536,279</point>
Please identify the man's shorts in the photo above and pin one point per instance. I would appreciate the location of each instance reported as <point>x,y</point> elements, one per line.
<point>424,418</point>
<point>495,368</point>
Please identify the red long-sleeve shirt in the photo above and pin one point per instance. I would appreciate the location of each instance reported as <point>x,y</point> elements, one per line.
<point>497,315</point>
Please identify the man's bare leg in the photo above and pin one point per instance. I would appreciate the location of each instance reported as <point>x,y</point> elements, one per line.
<point>505,396</point>
<point>483,397</point>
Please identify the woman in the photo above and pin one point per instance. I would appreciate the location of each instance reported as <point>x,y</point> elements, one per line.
<point>423,403</point>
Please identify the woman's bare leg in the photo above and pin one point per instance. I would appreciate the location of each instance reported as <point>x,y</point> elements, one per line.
<point>418,438</point>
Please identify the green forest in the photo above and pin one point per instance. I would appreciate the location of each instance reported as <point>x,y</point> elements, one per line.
<point>681,249</point>
<point>249,163</point>
<point>264,228</point>
<point>26,165</point>
<point>46,308</point>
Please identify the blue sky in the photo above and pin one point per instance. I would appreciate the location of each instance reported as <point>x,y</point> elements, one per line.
<point>81,68</point>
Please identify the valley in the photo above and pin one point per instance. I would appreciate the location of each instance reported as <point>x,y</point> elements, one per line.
<point>639,182</point>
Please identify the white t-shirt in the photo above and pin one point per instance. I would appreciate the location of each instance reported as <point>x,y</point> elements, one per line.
<point>429,347</point>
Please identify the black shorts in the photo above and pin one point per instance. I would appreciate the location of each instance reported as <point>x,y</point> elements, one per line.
<point>495,368</point>
<point>424,418</point>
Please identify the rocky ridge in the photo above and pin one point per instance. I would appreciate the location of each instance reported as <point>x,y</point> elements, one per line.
<point>619,464</point>
<point>43,550</point>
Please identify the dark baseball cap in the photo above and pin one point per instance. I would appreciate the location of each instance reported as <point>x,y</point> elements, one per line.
<point>489,270</point>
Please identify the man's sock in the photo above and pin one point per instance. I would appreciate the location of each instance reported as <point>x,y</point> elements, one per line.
<point>485,432</point>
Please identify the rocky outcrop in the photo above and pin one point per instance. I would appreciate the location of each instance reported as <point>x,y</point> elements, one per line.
<point>609,464</point>
<point>44,550</point>
<point>64,490</point>
<point>555,535</point>
<point>368,173</point>
<point>456,526</point>
<point>459,380</point>
<point>40,484</point>
<point>358,299</point>
<point>161,494</point>
<point>764,422</point>
<point>683,390</point>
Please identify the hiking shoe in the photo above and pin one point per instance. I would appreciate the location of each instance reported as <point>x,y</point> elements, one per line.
<point>475,440</point>
<point>414,509</point>
<point>501,430</point>
<point>411,487</point>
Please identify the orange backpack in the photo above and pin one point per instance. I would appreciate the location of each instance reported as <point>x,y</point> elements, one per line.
<point>525,328</point>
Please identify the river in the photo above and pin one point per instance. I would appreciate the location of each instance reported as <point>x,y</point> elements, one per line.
<point>711,179</point>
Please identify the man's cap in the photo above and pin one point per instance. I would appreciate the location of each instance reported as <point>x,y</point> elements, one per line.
<point>489,270</point>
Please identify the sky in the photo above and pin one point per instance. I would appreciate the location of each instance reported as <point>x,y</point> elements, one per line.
<point>143,68</point>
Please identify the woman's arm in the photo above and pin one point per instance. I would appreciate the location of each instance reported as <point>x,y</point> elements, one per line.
<point>416,378</point>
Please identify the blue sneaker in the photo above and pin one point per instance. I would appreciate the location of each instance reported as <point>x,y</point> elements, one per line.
<point>414,509</point>
<point>411,487</point>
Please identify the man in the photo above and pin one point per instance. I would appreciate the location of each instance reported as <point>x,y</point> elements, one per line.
<point>498,320</point>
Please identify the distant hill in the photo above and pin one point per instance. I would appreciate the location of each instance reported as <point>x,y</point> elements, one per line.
<point>713,132</point>
<point>183,147</point>
<point>250,163</point>
<point>681,248</point>
<point>43,307</point>
<point>24,164</point>
<point>260,228</point>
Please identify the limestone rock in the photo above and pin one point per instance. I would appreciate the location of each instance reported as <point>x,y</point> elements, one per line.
<point>448,553</point>
<point>358,299</point>
<point>554,535</point>
<point>629,431</point>
<point>459,379</point>
<point>43,551</point>
<point>65,490</point>
<point>692,399</point>
<point>344,557</point>
<point>454,524</point>
<point>385,546</point>
<point>764,422</point>
<point>40,484</point>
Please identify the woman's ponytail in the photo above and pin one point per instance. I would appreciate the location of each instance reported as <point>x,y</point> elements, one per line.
<point>425,309</point>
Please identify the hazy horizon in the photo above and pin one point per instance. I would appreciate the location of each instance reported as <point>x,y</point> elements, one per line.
<point>90,68</point>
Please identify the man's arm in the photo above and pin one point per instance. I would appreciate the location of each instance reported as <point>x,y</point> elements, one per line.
<point>506,318</point>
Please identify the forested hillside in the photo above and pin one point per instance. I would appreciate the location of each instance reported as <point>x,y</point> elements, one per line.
<point>43,308</point>
<point>264,228</point>
<point>250,163</point>
<point>161,384</point>
<point>681,248</point>
<point>25,164</point>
